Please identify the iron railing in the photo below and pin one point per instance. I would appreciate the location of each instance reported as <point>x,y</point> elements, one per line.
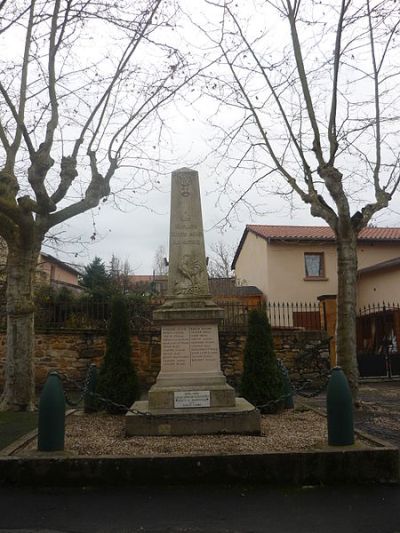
<point>378,340</point>
<point>94,314</point>
<point>281,315</point>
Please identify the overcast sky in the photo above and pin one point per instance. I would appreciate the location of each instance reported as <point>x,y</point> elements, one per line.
<point>134,233</point>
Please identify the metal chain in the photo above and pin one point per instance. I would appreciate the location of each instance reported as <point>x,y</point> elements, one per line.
<point>295,390</point>
<point>300,389</point>
<point>121,407</point>
<point>83,389</point>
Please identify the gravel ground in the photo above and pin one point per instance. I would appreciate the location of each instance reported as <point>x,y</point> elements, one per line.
<point>102,434</point>
<point>292,430</point>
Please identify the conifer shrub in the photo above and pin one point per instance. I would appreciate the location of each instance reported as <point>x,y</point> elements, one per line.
<point>262,380</point>
<point>117,379</point>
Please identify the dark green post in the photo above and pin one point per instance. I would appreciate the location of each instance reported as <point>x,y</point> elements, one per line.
<point>90,401</point>
<point>51,429</point>
<point>287,386</point>
<point>288,391</point>
<point>339,405</point>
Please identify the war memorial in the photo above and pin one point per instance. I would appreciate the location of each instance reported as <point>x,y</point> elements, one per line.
<point>191,395</point>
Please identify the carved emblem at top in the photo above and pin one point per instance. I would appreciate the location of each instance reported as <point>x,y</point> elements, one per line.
<point>184,186</point>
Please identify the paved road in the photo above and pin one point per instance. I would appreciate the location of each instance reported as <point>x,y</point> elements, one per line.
<point>201,509</point>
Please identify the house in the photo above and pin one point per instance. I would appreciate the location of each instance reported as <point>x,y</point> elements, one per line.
<point>50,270</point>
<point>223,290</point>
<point>379,283</point>
<point>56,273</point>
<point>298,263</point>
<point>149,284</point>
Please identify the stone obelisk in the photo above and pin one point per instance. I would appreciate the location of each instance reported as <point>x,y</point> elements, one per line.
<point>191,392</point>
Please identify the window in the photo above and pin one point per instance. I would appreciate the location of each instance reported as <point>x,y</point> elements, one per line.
<point>314,265</point>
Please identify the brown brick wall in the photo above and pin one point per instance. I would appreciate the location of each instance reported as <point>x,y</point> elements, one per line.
<point>71,352</point>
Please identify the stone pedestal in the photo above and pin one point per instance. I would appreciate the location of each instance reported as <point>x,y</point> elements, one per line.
<point>190,361</point>
<point>191,395</point>
<point>243,419</point>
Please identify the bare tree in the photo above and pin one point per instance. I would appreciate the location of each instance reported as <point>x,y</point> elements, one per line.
<point>119,274</point>
<point>82,92</point>
<point>219,264</point>
<point>314,100</point>
<point>3,274</point>
<point>160,265</point>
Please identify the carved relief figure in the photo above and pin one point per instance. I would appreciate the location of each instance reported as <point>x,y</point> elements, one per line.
<point>191,271</point>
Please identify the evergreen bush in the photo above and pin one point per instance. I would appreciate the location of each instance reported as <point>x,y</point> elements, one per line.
<point>97,280</point>
<point>262,380</point>
<point>117,380</point>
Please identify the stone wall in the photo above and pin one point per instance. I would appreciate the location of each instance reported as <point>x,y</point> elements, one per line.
<point>71,352</point>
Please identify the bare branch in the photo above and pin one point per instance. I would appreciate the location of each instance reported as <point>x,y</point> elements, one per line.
<point>377,105</point>
<point>291,14</point>
<point>124,60</point>
<point>23,88</point>
<point>15,114</point>
<point>332,133</point>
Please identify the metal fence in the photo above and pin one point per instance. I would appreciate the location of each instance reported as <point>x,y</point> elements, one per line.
<point>281,315</point>
<point>92,314</point>
<point>378,340</point>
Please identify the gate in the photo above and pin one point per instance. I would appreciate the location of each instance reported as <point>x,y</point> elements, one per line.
<point>378,341</point>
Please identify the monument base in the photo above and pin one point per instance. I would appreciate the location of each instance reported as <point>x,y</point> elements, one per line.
<point>243,418</point>
<point>162,396</point>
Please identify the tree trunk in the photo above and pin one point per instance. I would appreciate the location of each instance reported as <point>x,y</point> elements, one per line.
<point>346,345</point>
<point>19,388</point>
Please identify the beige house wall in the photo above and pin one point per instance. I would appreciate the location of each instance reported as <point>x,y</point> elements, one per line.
<point>251,265</point>
<point>53,272</point>
<point>277,269</point>
<point>376,252</point>
<point>378,287</point>
<point>286,272</point>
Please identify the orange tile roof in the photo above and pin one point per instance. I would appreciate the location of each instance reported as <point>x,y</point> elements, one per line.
<point>312,233</point>
<point>384,265</point>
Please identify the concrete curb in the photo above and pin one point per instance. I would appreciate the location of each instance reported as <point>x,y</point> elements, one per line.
<point>344,465</point>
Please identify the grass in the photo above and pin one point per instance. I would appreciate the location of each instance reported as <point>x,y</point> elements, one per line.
<point>14,425</point>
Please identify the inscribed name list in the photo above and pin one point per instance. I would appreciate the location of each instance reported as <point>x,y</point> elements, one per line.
<point>190,348</point>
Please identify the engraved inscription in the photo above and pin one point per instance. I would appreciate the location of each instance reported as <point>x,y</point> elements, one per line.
<point>204,345</point>
<point>190,348</point>
<point>191,398</point>
<point>186,235</point>
<point>175,354</point>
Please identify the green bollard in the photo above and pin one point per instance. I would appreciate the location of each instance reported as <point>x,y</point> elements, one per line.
<point>288,390</point>
<point>51,426</point>
<point>288,402</point>
<point>339,406</point>
<point>90,402</point>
